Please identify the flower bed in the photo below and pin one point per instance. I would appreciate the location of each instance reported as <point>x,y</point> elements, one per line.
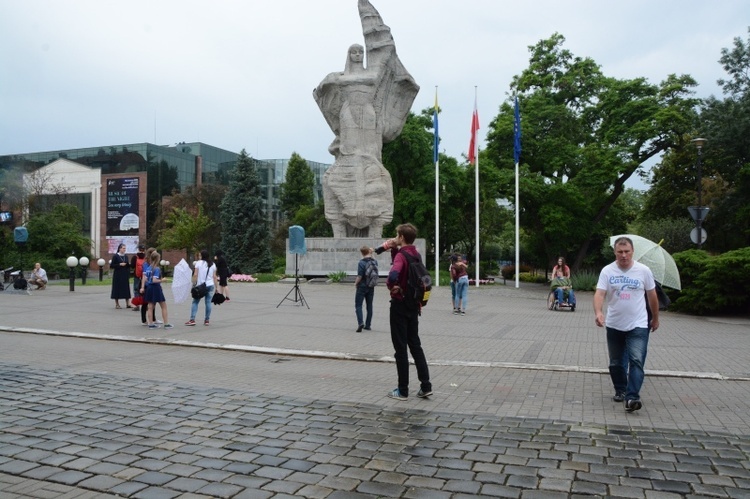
<point>241,278</point>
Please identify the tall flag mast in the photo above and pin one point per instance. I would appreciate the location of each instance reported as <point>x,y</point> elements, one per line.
<point>517,157</point>
<point>436,160</point>
<point>474,158</point>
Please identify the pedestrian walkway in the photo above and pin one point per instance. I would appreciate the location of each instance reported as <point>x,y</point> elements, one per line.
<point>521,405</point>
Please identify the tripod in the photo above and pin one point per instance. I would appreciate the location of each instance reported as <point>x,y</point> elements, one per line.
<point>298,298</point>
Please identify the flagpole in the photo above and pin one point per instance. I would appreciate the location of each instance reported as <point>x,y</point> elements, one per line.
<point>436,158</point>
<point>476,188</point>
<point>518,249</point>
<point>517,156</point>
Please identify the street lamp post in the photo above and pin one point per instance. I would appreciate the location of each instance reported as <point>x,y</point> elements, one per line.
<point>100,262</point>
<point>72,262</point>
<point>84,261</point>
<point>700,213</point>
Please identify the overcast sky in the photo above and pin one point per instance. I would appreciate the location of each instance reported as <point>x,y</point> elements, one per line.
<point>239,74</point>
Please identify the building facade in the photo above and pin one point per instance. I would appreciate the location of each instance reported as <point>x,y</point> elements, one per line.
<point>139,175</point>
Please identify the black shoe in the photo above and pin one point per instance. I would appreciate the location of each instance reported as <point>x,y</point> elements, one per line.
<point>423,395</point>
<point>619,397</point>
<point>359,329</point>
<point>632,405</point>
<point>368,328</point>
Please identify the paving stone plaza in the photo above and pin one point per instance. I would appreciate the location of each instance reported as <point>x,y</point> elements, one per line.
<point>287,401</point>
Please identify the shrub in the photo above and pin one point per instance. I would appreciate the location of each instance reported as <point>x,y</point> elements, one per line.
<point>509,271</point>
<point>527,277</point>
<point>337,276</point>
<point>585,280</point>
<point>267,277</point>
<point>719,284</point>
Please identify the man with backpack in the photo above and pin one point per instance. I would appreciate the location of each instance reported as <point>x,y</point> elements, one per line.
<point>407,300</point>
<point>367,279</point>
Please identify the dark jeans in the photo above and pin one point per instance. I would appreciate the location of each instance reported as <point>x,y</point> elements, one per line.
<point>366,294</point>
<point>405,334</point>
<point>627,356</point>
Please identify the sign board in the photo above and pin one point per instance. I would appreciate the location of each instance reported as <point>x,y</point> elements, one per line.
<point>694,235</point>
<point>698,212</point>
<point>122,207</point>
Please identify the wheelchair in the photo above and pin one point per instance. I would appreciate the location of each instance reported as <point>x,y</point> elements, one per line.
<point>567,303</point>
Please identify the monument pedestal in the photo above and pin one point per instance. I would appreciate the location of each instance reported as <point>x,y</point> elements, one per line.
<point>325,255</point>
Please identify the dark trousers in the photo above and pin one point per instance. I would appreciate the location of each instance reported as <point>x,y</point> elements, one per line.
<point>405,334</point>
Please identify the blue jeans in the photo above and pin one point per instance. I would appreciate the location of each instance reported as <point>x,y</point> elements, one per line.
<point>560,295</point>
<point>462,292</point>
<point>366,294</point>
<point>209,305</point>
<point>627,357</point>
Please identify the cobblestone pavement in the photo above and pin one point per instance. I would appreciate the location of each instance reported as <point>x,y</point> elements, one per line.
<point>139,438</point>
<point>521,406</point>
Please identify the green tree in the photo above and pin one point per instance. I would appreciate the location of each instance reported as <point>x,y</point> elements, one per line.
<point>57,233</point>
<point>584,135</point>
<point>297,189</point>
<point>185,230</point>
<point>725,179</point>
<point>245,230</point>
<point>207,198</point>
<point>408,159</point>
<point>162,181</point>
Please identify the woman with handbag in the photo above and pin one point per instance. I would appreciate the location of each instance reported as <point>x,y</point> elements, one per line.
<point>204,284</point>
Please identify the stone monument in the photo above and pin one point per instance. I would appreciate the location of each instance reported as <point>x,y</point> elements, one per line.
<point>365,106</point>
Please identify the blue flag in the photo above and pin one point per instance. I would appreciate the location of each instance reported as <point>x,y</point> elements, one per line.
<point>517,133</point>
<point>435,128</point>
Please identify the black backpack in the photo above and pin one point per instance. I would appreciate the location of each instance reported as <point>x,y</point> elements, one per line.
<point>418,283</point>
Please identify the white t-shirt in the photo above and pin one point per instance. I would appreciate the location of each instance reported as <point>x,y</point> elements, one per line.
<point>208,278</point>
<point>626,295</point>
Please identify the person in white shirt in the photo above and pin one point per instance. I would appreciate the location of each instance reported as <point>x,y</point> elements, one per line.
<point>205,271</point>
<point>38,276</point>
<point>623,284</point>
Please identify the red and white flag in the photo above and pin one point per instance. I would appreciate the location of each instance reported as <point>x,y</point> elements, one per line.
<point>473,145</point>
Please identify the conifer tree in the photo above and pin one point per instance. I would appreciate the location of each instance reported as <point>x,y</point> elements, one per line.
<point>297,189</point>
<point>245,230</point>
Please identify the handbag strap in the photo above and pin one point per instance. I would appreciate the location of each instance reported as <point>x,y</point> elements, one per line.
<point>208,267</point>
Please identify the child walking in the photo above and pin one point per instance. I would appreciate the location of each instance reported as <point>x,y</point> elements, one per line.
<point>154,293</point>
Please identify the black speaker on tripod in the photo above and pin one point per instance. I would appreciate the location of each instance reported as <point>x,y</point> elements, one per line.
<point>297,247</point>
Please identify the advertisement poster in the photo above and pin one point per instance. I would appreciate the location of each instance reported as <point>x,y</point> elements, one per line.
<point>123,220</point>
<point>122,207</point>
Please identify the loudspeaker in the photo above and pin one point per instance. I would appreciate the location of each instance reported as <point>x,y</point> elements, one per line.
<point>297,240</point>
<point>20,235</point>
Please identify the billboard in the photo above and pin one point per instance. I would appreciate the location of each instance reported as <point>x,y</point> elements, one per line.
<point>123,217</point>
<point>122,207</point>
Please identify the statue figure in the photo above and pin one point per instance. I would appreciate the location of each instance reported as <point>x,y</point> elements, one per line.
<point>365,108</point>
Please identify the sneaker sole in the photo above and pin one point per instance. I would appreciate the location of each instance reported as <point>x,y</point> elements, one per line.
<point>635,405</point>
<point>424,395</point>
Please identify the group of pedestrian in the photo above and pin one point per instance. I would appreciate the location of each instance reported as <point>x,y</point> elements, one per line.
<point>626,286</point>
<point>148,278</point>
